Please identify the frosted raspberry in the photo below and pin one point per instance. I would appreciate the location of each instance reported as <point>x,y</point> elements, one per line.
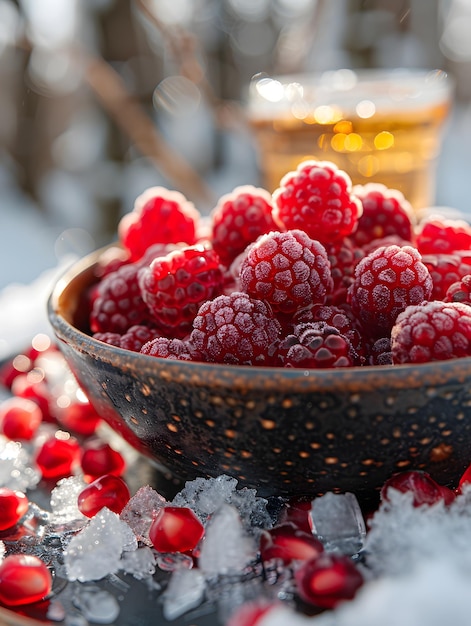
<point>175,349</point>
<point>117,302</point>
<point>436,235</point>
<point>235,329</point>
<point>343,256</point>
<point>434,331</point>
<point>385,212</point>
<point>238,219</point>
<point>315,345</point>
<point>445,269</point>
<point>386,282</point>
<point>318,199</point>
<point>460,291</point>
<point>340,318</point>
<point>289,270</point>
<point>380,352</point>
<point>159,216</point>
<point>174,286</point>
<point>133,339</point>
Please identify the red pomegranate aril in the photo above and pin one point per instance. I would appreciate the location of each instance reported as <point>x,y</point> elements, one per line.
<point>24,579</point>
<point>57,456</point>
<point>251,613</point>
<point>99,458</point>
<point>297,513</point>
<point>79,417</point>
<point>106,491</point>
<point>287,543</point>
<point>33,387</point>
<point>465,480</point>
<point>424,488</point>
<point>13,505</point>
<point>327,580</point>
<point>176,529</point>
<point>20,418</point>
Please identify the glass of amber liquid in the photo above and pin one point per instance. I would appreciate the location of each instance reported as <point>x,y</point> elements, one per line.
<point>377,125</point>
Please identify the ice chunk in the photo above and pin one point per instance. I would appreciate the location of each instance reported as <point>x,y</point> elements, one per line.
<point>338,522</point>
<point>96,605</point>
<point>17,471</point>
<point>140,563</point>
<point>96,550</point>
<point>206,495</point>
<point>64,500</point>
<point>140,511</point>
<point>226,548</point>
<point>184,592</point>
<point>402,535</point>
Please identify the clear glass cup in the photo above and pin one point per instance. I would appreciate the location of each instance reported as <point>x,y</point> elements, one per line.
<point>377,125</point>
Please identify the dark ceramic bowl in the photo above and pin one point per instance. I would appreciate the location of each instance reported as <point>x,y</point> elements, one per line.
<point>281,431</point>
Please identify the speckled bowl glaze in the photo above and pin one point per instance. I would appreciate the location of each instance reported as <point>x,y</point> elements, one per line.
<point>281,431</point>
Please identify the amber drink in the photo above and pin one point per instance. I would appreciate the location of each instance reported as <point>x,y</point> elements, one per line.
<point>383,126</point>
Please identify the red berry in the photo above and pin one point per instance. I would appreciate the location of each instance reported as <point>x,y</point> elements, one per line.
<point>343,257</point>
<point>288,543</point>
<point>465,479</point>
<point>297,513</point>
<point>174,287</point>
<point>118,302</point>
<point>176,349</point>
<point>327,580</point>
<point>315,345</point>
<point>433,331</point>
<point>446,269</point>
<point>252,613</point>
<point>385,212</point>
<point>235,329</point>
<point>459,291</point>
<point>19,418</point>
<point>386,282</point>
<point>13,505</point>
<point>159,216</point>
<point>238,219</point>
<point>421,485</point>
<point>288,270</point>
<point>436,235</point>
<point>106,491</point>
<point>58,456</point>
<point>99,458</point>
<point>79,417</point>
<point>24,579</point>
<point>175,529</point>
<point>318,199</point>
<point>136,336</point>
<point>34,387</point>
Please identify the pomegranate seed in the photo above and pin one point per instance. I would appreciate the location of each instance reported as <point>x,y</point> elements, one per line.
<point>327,580</point>
<point>288,543</point>
<point>175,529</point>
<point>24,579</point>
<point>80,418</point>
<point>297,513</point>
<point>251,613</point>
<point>57,456</point>
<point>20,418</point>
<point>106,491</point>
<point>99,458</point>
<point>13,505</point>
<point>465,479</point>
<point>424,489</point>
<point>33,387</point>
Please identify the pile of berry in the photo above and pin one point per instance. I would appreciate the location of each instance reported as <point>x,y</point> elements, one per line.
<point>320,274</point>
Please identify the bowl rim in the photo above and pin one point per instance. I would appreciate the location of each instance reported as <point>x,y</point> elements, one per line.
<point>249,375</point>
